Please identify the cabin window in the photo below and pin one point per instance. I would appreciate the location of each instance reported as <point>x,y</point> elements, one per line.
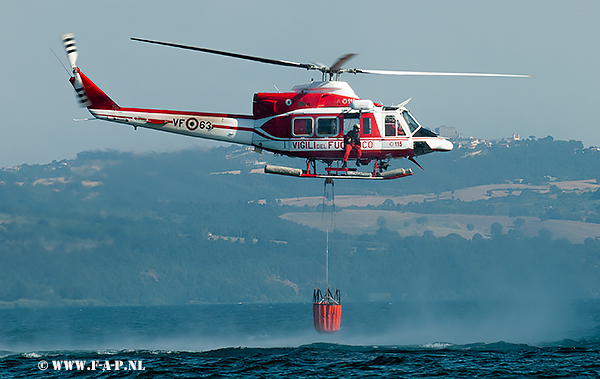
<point>390,125</point>
<point>302,126</point>
<point>366,125</point>
<point>327,126</point>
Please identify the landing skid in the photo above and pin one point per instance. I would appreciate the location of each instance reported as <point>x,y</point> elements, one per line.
<point>338,172</point>
<point>368,176</point>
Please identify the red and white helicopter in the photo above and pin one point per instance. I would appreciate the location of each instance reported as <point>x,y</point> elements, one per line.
<point>309,121</point>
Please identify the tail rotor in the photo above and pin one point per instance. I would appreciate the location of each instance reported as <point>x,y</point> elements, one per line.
<point>71,50</point>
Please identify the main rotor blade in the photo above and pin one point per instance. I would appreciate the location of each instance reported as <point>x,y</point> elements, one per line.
<point>341,61</point>
<point>427,73</point>
<point>233,55</point>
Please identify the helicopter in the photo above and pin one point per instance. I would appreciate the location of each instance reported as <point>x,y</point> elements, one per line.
<point>310,121</point>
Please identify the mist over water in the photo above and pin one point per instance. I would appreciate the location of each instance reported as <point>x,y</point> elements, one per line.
<point>210,327</point>
<point>458,339</point>
<point>457,322</point>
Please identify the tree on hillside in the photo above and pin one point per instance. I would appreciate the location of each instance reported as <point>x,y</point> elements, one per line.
<point>496,229</point>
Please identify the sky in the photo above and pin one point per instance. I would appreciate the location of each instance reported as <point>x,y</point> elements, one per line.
<point>552,41</point>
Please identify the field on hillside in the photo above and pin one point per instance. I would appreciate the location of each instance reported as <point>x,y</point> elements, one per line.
<point>355,214</point>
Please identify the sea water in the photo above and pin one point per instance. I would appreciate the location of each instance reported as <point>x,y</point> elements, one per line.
<point>377,339</point>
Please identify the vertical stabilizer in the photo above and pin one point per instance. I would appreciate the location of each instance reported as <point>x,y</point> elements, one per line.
<point>88,94</point>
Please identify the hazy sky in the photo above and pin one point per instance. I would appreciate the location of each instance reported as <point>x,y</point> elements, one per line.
<point>553,41</point>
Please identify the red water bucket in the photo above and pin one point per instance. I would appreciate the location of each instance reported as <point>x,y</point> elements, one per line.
<point>327,317</point>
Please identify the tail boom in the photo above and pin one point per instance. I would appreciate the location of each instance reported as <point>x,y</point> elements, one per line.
<point>215,126</point>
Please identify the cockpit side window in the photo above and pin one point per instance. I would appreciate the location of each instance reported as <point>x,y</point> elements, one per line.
<point>393,126</point>
<point>399,129</point>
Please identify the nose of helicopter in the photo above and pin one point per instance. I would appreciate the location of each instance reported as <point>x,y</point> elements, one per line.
<point>440,144</point>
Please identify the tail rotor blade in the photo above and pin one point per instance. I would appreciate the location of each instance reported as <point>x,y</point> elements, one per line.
<point>68,40</point>
<point>83,99</point>
<point>71,48</point>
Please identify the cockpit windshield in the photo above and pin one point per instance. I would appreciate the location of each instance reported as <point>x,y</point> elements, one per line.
<point>415,127</point>
<point>412,123</point>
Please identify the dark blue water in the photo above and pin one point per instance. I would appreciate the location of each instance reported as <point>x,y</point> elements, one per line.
<point>537,339</point>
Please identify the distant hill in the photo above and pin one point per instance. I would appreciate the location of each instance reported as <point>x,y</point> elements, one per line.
<point>235,172</point>
<point>112,228</point>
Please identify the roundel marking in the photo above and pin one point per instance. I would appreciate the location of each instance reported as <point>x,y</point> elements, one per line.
<point>288,102</point>
<point>191,124</point>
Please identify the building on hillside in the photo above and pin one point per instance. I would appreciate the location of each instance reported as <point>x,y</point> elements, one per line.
<point>446,132</point>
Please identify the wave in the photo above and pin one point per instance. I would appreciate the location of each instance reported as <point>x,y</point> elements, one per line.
<point>314,348</point>
<point>321,359</point>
